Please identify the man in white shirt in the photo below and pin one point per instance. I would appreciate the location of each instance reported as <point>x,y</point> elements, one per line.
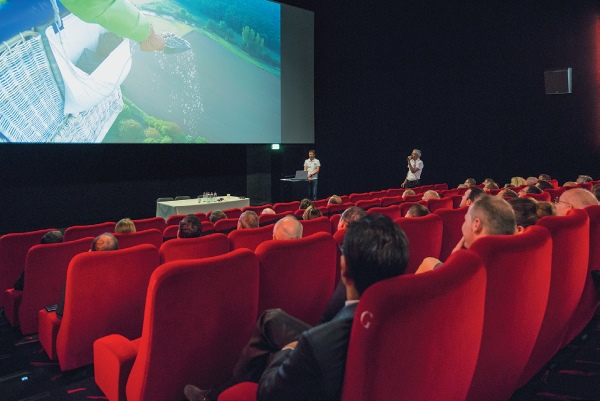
<point>415,167</point>
<point>313,166</point>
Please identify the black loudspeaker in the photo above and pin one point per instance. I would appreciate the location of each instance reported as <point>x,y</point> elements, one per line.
<point>557,81</point>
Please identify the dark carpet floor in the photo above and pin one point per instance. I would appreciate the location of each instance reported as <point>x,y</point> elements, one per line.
<point>26,373</point>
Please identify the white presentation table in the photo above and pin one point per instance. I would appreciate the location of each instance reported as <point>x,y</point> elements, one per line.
<point>191,206</point>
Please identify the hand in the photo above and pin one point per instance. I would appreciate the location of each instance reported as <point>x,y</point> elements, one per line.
<point>291,345</point>
<point>153,42</point>
<point>460,245</point>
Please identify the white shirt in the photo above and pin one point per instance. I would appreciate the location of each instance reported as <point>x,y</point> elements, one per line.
<point>311,166</point>
<point>414,163</point>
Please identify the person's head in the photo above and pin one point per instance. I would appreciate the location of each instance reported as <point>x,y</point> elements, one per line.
<point>417,210</point>
<point>268,211</point>
<point>189,227</point>
<point>507,193</point>
<point>596,191</point>
<point>105,242</point>
<point>529,189</point>
<point>469,182</point>
<point>462,186</point>
<point>531,180</point>
<point>248,219</point>
<point>125,226</point>
<point>490,185</point>
<point>311,154</point>
<point>311,213</point>
<point>471,195</point>
<point>576,198</point>
<point>349,215</point>
<point>489,215</point>
<point>287,228</point>
<point>52,237</point>
<point>430,194</point>
<point>544,177</point>
<point>408,192</point>
<point>541,184</point>
<point>374,249</point>
<point>528,211</point>
<point>305,203</point>
<point>582,179</point>
<point>570,184</point>
<point>416,153</point>
<point>217,215</point>
<point>517,181</point>
<point>334,200</point>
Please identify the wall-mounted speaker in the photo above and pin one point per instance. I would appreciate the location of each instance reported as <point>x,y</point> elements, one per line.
<point>557,82</point>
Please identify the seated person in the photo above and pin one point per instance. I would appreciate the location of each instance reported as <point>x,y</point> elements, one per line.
<point>471,195</point>
<point>51,237</point>
<point>491,185</point>
<point>507,193</point>
<point>311,213</point>
<point>125,226</point>
<point>430,194</point>
<point>217,215</point>
<point>517,181</point>
<point>570,184</point>
<point>305,203</point>
<point>530,189</point>
<point>407,193</point>
<point>248,219</point>
<point>334,200</point>
<point>531,180</point>
<point>544,177</point>
<point>542,184</point>
<point>582,179</point>
<point>287,228</point>
<point>268,210</point>
<point>189,227</point>
<point>576,198</point>
<point>469,182</point>
<point>528,211</point>
<point>349,215</point>
<point>596,191</point>
<point>292,361</point>
<point>417,210</point>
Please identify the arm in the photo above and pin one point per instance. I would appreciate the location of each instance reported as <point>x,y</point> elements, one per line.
<point>315,172</point>
<point>411,168</point>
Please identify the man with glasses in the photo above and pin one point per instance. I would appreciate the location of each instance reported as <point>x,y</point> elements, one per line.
<point>415,168</point>
<point>576,198</point>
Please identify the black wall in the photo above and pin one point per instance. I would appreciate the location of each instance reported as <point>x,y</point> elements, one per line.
<point>463,82</point>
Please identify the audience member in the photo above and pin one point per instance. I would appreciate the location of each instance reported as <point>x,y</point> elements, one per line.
<point>490,185</point>
<point>529,189</point>
<point>305,203</point>
<point>268,210</point>
<point>488,181</point>
<point>51,237</point>
<point>582,179</point>
<point>189,227</point>
<point>217,215</point>
<point>407,193</point>
<point>517,181</point>
<point>431,194</point>
<point>349,215</point>
<point>531,180</point>
<point>570,184</point>
<point>471,195</point>
<point>507,193</point>
<point>462,186</point>
<point>334,200</point>
<point>311,213</point>
<point>544,177</point>
<point>469,182</point>
<point>542,184</point>
<point>103,242</point>
<point>287,228</point>
<point>596,191</point>
<point>417,210</point>
<point>248,219</point>
<point>125,226</point>
<point>528,211</point>
<point>292,361</point>
<point>576,198</point>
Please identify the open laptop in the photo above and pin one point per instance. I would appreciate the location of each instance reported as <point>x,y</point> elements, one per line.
<point>301,175</point>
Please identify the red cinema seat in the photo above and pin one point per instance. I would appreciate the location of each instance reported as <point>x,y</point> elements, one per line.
<point>413,198</point>
<point>404,206</point>
<point>297,275</point>
<point>318,225</point>
<point>368,203</point>
<point>334,220</point>
<point>192,333</point>
<point>207,227</point>
<point>440,187</point>
<point>395,191</point>
<point>299,213</point>
<point>174,220</point>
<point>443,203</point>
<point>393,211</point>
<point>452,219</point>
<point>256,209</point>
<point>170,232</point>
<point>266,219</point>
<point>286,206</point>
<point>201,216</point>
<point>233,213</point>
<point>543,197</point>
<point>13,251</point>
<point>569,271</point>
<point>456,200</point>
<point>151,236</point>
<point>250,238</point>
<point>225,226</point>
<point>393,324</point>
<point>45,273</point>
<point>378,194</point>
<point>345,199</point>
<point>391,200</point>
<point>336,208</point>
<point>555,193</point>
<point>554,183</point>
<point>105,294</point>
<point>92,230</point>
<point>518,282</point>
<point>424,238</point>
<point>320,202</point>
<point>194,248</point>
<point>354,197</point>
<point>154,222</point>
<point>589,301</point>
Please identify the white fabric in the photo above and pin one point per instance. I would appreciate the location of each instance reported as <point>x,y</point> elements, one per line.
<point>414,176</point>
<point>311,165</point>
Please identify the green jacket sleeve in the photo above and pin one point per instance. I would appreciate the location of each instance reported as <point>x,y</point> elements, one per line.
<point>118,16</point>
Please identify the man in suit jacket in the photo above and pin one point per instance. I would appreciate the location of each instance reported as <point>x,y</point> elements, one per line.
<point>291,361</point>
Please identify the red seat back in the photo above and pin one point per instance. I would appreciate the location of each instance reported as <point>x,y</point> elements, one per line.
<point>336,209</point>
<point>297,275</point>
<point>443,203</point>
<point>266,219</point>
<point>395,191</point>
<point>413,198</point>
<point>226,225</point>
<point>286,206</point>
<point>318,225</point>
<point>105,294</point>
<point>233,213</point>
<point>45,272</point>
<point>378,194</point>
<point>393,325</point>
<point>174,220</point>
<point>452,220</point>
<point>518,281</point>
<point>367,203</point>
<point>198,316</point>
<point>543,197</point>
<point>393,211</point>
<point>250,238</point>
<point>154,222</point>
<point>555,193</point>
<point>354,197</point>
<point>194,248</point>
<point>92,230</point>
<point>424,238</point>
<point>151,236</point>
<point>391,200</point>
<point>256,209</point>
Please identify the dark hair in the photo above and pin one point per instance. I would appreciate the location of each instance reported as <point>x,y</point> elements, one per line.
<point>541,184</point>
<point>217,215</point>
<point>311,213</point>
<point>52,237</point>
<point>495,214</point>
<point>196,230</point>
<point>509,193</point>
<point>544,177</point>
<point>418,210</point>
<point>305,203</point>
<point>375,248</point>
<point>353,213</point>
<point>525,211</point>
<point>475,194</point>
<point>471,181</point>
<point>532,189</point>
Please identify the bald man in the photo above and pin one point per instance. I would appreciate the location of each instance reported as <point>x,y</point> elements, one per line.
<point>248,219</point>
<point>576,198</point>
<point>287,228</point>
<point>431,194</point>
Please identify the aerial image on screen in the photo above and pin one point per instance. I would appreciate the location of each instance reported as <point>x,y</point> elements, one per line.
<point>77,82</point>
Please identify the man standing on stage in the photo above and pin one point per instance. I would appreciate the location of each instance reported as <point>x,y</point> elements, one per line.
<point>415,167</point>
<point>313,166</point>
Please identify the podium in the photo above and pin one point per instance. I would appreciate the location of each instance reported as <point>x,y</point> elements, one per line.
<point>293,189</point>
